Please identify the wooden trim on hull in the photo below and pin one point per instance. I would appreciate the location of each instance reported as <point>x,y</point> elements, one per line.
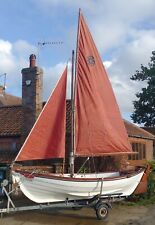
<point>76,179</point>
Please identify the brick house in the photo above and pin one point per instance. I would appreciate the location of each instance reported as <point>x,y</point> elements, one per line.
<point>17,117</point>
<point>7,99</point>
<point>141,142</point>
<point>10,114</point>
<point>10,132</point>
<point>152,131</point>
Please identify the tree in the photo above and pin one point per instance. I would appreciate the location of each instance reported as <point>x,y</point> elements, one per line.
<point>144,106</point>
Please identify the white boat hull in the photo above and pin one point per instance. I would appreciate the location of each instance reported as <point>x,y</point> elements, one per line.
<point>43,189</point>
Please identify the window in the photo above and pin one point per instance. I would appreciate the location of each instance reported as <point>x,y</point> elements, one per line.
<point>14,146</point>
<point>8,145</point>
<point>140,148</point>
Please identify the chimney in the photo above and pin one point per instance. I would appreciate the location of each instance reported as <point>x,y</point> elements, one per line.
<point>32,59</point>
<point>32,87</point>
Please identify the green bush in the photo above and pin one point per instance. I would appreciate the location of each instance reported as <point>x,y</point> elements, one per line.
<point>151,180</point>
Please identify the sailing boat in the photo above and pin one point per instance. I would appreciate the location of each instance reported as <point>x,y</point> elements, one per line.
<point>98,130</point>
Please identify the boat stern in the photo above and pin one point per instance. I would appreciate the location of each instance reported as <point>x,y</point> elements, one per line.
<point>142,186</point>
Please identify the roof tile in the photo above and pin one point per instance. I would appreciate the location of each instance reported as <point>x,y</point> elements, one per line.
<point>11,120</point>
<point>135,131</point>
<point>8,100</point>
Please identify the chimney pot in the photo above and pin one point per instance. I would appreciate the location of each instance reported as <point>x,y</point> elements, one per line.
<point>32,60</point>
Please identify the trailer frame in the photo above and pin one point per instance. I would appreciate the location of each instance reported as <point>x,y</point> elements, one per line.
<point>100,203</point>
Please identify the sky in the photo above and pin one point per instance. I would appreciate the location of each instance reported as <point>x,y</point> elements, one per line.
<point>124,33</point>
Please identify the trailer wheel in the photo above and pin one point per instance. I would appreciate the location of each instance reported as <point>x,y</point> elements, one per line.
<point>102,211</point>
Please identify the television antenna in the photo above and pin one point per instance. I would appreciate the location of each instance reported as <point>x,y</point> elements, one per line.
<point>50,43</point>
<point>44,43</point>
<point>4,80</point>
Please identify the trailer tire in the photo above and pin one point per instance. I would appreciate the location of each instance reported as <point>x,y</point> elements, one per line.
<point>102,211</point>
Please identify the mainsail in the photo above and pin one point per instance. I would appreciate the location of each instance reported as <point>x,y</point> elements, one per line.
<point>99,127</point>
<point>47,138</point>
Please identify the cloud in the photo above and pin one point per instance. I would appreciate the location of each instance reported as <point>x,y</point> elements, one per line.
<point>23,49</point>
<point>125,63</point>
<point>124,32</point>
<point>107,64</point>
<point>14,57</point>
<point>5,47</point>
<point>6,56</point>
<point>137,51</point>
<point>68,4</point>
<point>111,22</point>
<point>51,77</point>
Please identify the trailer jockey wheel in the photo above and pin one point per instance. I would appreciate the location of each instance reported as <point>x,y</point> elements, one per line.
<point>102,211</point>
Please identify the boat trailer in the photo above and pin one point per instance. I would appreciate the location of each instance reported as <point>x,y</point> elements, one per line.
<point>100,203</point>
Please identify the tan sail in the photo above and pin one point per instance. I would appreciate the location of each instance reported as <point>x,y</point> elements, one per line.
<point>99,127</point>
<point>47,138</point>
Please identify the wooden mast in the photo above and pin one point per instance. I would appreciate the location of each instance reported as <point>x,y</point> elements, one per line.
<point>73,87</point>
<point>71,156</point>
